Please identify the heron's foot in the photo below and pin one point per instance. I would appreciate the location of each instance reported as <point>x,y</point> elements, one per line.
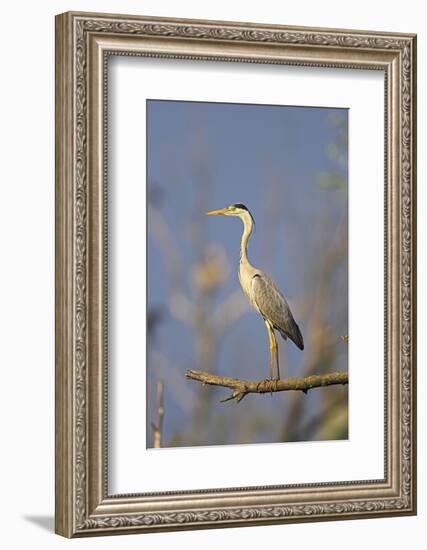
<point>270,384</point>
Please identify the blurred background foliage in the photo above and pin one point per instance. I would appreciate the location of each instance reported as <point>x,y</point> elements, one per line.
<point>289,166</point>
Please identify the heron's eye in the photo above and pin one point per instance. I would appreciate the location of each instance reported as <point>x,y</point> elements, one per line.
<point>232,208</point>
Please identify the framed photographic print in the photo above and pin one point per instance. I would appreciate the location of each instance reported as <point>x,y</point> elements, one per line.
<point>235,274</point>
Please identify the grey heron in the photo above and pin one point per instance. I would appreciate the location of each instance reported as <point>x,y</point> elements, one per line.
<point>262,292</point>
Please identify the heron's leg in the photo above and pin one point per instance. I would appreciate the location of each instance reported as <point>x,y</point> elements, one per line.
<point>276,351</point>
<point>271,343</point>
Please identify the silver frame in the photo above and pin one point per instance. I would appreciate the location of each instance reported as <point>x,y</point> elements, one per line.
<point>83,43</point>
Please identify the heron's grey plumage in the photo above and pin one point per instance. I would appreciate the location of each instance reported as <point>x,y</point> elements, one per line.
<point>273,306</point>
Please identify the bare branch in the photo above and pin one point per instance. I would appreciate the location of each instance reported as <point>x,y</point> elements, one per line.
<point>243,387</point>
<point>157,428</point>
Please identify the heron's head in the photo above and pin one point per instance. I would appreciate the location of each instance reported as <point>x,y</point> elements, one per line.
<point>238,209</point>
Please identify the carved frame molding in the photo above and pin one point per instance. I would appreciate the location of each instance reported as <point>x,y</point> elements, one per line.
<point>83,43</point>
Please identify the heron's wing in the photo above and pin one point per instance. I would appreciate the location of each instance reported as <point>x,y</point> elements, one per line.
<point>273,307</point>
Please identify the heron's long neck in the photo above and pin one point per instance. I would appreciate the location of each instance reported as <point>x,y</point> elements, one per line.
<point>247,230</point>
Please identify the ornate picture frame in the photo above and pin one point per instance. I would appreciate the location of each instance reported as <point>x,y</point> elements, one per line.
<point>84,506</point>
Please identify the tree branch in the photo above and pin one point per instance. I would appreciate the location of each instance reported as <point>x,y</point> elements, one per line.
<point>158,428</point>
<point>243,387</point>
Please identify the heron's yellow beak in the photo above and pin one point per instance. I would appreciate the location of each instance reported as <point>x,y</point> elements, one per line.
<point>217,212</point>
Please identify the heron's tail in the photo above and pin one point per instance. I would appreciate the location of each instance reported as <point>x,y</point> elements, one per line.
<point>294,334</point>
